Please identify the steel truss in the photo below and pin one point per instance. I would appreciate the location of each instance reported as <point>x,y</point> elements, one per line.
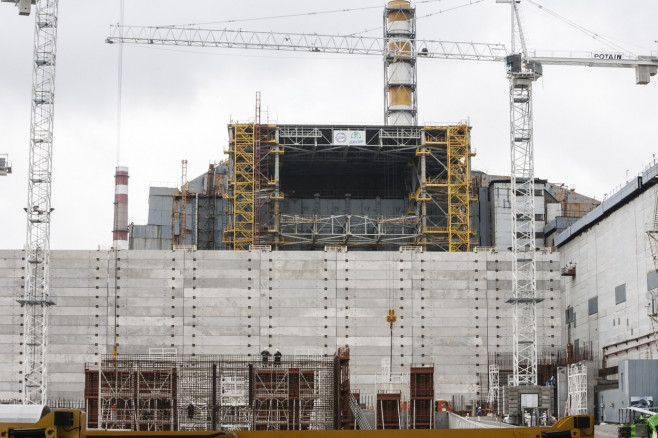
<point>521,75</point>
<point>36,296</point>
<point>436,188</point>
<point>349,230</point>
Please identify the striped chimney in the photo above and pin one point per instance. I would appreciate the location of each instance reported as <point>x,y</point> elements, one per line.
<point>120,231</point>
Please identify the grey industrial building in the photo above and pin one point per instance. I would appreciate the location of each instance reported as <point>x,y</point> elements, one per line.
<point>595,273</point>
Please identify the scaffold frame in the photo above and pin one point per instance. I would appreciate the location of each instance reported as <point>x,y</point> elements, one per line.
<point>435,192</point>
<point>175,393</point>
<point>577,389</point>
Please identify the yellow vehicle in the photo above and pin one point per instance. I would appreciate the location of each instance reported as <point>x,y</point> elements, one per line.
<point>67,423</point>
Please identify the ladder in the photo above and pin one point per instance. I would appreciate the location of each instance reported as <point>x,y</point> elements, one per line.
<point>358,415</point>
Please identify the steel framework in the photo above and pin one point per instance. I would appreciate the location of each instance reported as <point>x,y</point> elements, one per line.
<point>522,73</point>
<point>577,389</point>
<point>36,298</point>
<point>170,393</point>
<point>494,386</point>
<point>455,184</point>
<point>240,234</point>
<point>645,66</point>
<point>438,213</point>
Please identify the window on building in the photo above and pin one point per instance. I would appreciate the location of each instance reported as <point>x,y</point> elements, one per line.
<point>652,280</point>
<point>593,306</point>
<point>620,293</point>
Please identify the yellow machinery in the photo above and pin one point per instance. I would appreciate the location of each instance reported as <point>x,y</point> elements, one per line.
<point>66,423</point>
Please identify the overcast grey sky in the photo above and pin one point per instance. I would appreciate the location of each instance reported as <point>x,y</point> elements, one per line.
<point>594,127</point>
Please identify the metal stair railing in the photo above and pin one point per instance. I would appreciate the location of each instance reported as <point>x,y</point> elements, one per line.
<point>361,420</point>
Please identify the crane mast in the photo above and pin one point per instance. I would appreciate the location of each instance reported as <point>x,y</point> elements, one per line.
<point>521,73</point>
<point>36,298</point>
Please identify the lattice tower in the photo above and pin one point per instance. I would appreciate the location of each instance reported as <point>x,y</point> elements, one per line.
<point>521,75</point>
<point>36,296</point>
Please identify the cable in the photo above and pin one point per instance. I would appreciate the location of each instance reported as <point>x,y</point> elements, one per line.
<point>441,11</point>
<point>575,25</point>
<point>472,2</point>
<point>301,14</point>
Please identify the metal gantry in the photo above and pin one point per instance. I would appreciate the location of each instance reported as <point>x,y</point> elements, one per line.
<point>35,299</point>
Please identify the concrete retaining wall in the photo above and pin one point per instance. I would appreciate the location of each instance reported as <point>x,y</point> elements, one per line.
<point>451,310</point>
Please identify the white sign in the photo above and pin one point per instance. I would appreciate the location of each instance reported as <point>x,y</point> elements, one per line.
<point>529,400</point>
<point>349,137</point>
<point>612,56</point>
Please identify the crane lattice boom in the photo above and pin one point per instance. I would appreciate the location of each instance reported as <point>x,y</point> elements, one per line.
<point>347,44</point>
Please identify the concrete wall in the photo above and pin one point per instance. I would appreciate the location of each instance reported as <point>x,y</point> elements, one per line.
<point>451,309</point>
<point>613,263</point>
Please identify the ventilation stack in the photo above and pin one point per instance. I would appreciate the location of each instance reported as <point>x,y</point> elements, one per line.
<point>120,231</point>
<point>400,64</point>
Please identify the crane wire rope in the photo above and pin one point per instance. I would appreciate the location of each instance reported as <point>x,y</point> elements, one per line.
<point>606,41</point>
<point>300,14</point>
<point>431,14</point>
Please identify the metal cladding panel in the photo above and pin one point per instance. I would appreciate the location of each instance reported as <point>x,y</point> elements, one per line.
<point>162,191</point>
<point>643,378</point>
<point>651,172</point>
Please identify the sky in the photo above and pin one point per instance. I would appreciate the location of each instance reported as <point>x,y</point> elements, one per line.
<point>594,128</point>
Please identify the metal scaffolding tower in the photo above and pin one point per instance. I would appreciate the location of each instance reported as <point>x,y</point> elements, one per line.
<point>36,294</point>
<point>494,386</point>
<point>522,73</point>
<point>577,389</point>
<point>240,234</point>
<point>452,187</point>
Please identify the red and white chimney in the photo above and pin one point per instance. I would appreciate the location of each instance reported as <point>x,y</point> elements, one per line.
<point>120,231</point>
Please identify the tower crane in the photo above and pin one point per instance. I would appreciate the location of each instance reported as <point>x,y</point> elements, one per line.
<point>36,299</point>
<point>522,72</point>
<point>399,44</point>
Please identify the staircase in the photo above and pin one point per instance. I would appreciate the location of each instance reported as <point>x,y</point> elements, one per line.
<point>361,420</point>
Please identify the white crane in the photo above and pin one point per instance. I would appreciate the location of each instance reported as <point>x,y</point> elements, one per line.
<point>36,299</point>
<point>522,70</point>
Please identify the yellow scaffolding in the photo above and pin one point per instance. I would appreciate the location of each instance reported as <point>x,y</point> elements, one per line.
<point>459,188</point>
<point>247,178</point>
<point>240,234</point>
<point>454,142</point>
